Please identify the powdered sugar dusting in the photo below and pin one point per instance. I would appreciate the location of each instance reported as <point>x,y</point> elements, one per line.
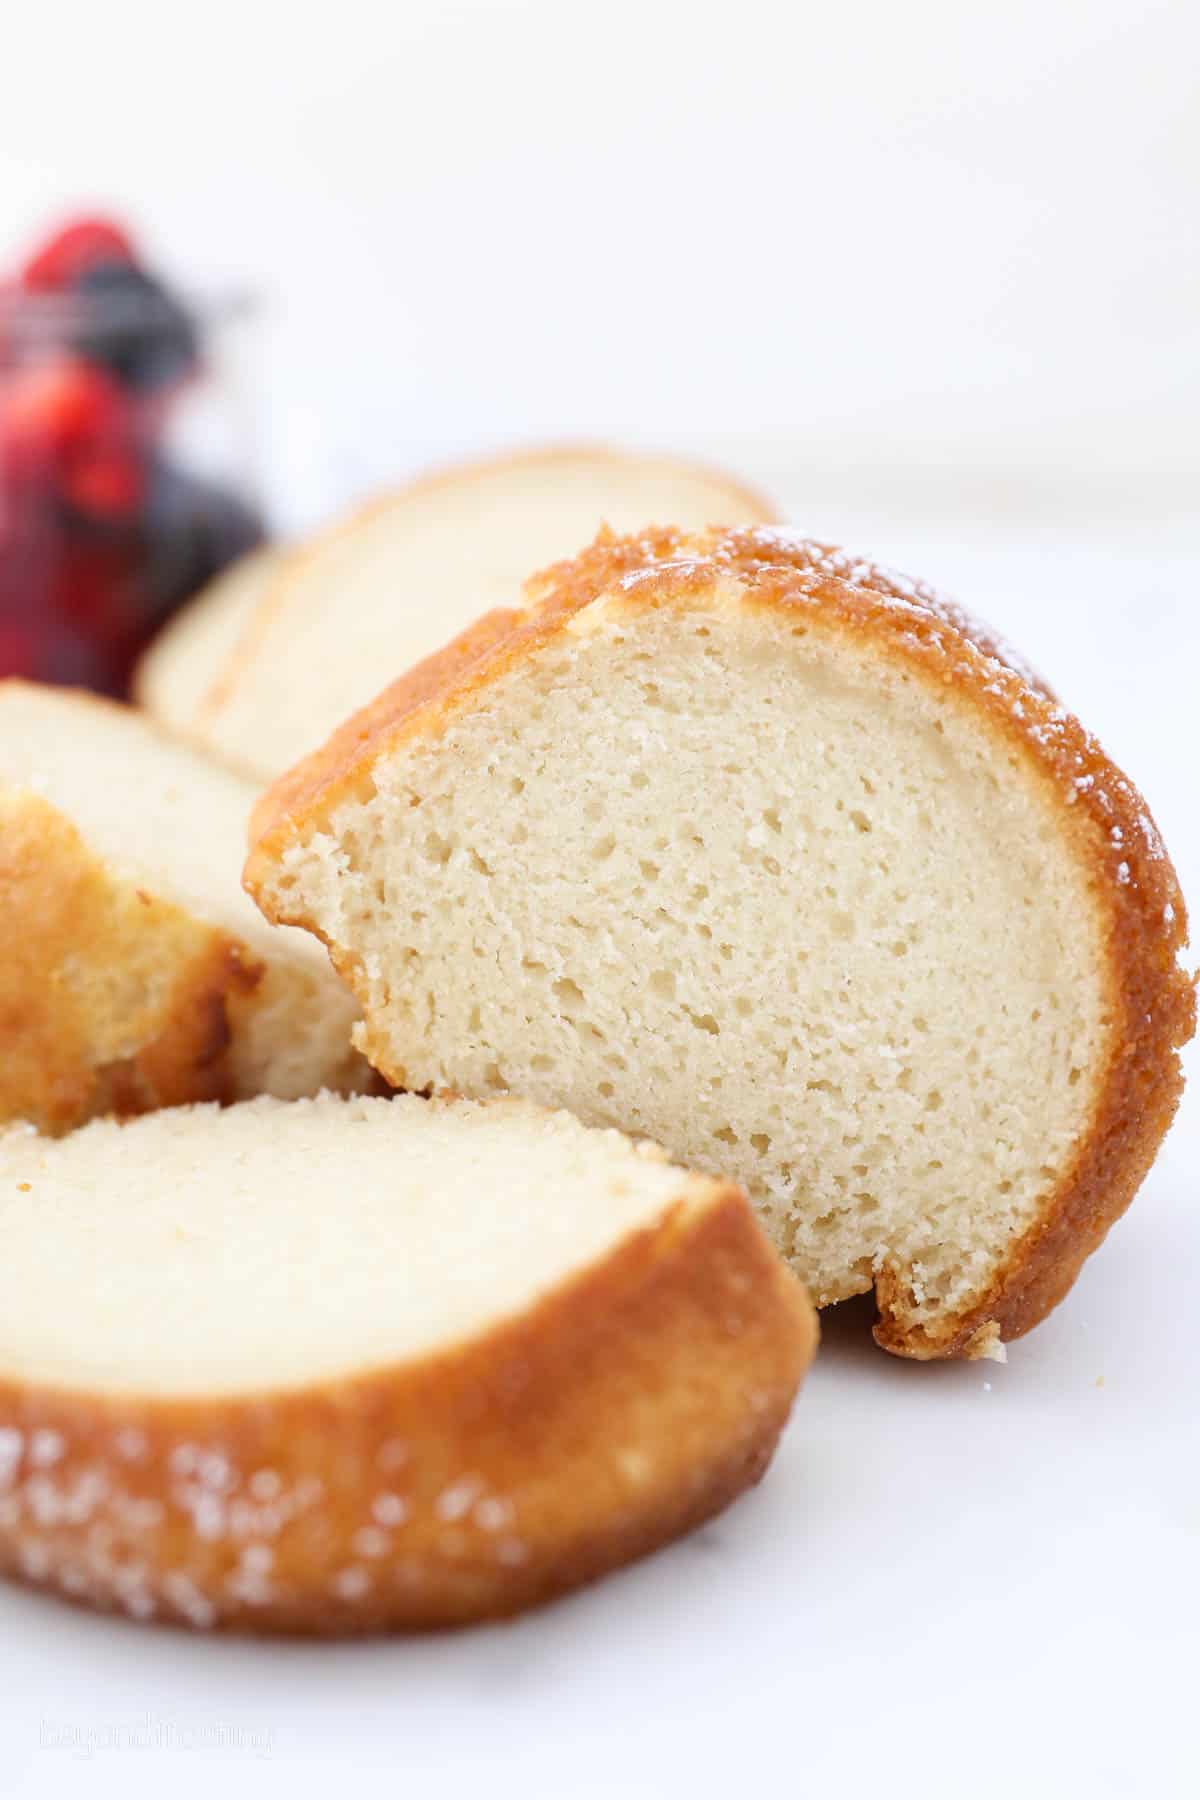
<point>887,587</point>
<point>390,1509</point>
<point>45,1448</point>
<point>635,578</point>
<point>149,1531</point>
<point>456,1501</point>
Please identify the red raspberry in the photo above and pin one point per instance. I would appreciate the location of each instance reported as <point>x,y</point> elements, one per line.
<point>74,249</point>
<point>67,430</point>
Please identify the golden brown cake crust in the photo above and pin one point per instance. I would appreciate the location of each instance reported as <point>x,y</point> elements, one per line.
<point>621,1409</point>
<point>111,999</point>
<point>1138,905</point>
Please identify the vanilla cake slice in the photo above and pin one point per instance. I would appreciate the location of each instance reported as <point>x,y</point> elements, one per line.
<point>739,842</point>
<point>138,974</point>
<point>341,1365</point>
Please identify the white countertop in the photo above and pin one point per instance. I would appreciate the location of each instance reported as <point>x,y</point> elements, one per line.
<point>971,1580</point>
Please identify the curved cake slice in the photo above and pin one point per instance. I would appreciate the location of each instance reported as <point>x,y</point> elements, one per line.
<point>136,973</point>
<point>341,1365</point>
<point>176,674</point>
<point>390,585</point>
<point>743,844</point>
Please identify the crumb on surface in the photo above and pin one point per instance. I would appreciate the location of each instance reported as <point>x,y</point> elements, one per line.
<point>986,1344</point>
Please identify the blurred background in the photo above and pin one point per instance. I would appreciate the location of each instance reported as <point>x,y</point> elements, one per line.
<point>929,273</point>
<point>888,259</point>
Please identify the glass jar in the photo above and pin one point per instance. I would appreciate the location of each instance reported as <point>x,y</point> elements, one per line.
<point>125,478</point>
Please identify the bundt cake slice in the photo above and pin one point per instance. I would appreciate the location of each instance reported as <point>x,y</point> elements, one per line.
<point>739,842</point>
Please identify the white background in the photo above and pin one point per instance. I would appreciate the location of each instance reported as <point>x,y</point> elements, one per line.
<point>945,249</point>
<point>931,271</point>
